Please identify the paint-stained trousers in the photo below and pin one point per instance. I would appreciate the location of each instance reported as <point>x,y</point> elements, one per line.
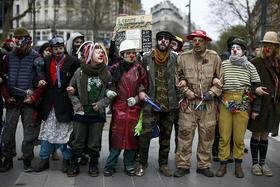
<point>165,122</point>
<point>232,124</point>
<point>189,120</point>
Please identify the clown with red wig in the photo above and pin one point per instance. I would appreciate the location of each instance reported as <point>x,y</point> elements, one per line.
<point>87,91</point>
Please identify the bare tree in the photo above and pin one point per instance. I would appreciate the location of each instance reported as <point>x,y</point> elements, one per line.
<point>97,15</point>
<point>228,13</point>
<point>9,18</point>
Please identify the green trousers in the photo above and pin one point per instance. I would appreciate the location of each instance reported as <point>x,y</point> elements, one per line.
<point>128,159</point>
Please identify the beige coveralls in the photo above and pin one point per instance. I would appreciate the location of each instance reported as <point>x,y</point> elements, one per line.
<point>199,72</point>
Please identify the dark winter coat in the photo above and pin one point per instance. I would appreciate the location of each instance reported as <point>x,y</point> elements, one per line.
<point>268,119</point>
<point>58,97</point>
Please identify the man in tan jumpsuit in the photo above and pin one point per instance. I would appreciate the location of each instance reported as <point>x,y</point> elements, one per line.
<point>196,70</point>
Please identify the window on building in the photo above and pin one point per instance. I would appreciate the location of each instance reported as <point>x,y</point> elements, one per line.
<point>38,3</point>
<point>56,11</point>
<point>46,15</point>
<point>56,2</point>
<point>17,9</point>
<point>38,36</point>
<point>69,15</point>
<point>69,2</point>
<point>17,22</point>
<point>46,2</point>
<point>45,35</point>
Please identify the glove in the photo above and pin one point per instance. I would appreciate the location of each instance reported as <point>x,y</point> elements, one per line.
<point>111,94</point>
<point>132,101</point>
<point>207,96</point>
<point>189,94</point>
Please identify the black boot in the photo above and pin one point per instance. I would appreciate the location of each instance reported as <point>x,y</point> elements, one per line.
<point>7,165</point>
<point>93,170</point>
<point>65,165</point>
<point>74,168</point>
<point>43,165</point>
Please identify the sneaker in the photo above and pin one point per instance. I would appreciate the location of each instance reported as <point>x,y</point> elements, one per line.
<point>256,170</point>
<point>165,170</point>
<point>108,172</point>
<point>130,172</point>
<point>140,171</point>
<point>206,172</point>
<point>266,171</point>
<point>27,166</point>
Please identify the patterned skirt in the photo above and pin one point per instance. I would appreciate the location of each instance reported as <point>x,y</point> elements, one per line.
<point>55,132</point>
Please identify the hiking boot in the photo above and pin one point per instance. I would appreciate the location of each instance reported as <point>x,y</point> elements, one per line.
<point>256,170</point>
<point>27,166</point>
<point>180,172</point>
<point>165,170</point>
<point>65,165</point>
<point>266,171</point>
<point>43,165</point>
<point>206,172</point>
<point>222,170</point>
<point>238,171</point>
<point>7,165</point>
<point>74,168</point>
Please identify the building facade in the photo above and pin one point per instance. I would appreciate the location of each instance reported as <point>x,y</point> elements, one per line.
<point>266,17</point>
<point>166,16</point>
<point>93,18</point>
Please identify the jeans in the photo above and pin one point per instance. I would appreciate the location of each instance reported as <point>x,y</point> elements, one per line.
<point>47,149</point>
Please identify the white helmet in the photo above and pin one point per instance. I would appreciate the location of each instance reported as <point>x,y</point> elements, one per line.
<point>127,45</point>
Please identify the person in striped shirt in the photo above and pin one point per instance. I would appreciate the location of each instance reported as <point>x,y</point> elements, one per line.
<point>239,82</point>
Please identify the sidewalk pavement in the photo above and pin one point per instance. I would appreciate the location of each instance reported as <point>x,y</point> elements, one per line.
<point>55,178</point>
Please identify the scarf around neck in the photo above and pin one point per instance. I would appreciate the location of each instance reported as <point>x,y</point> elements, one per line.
<point>161,57</point>
<point>90,71</point>
<point>239,61</point>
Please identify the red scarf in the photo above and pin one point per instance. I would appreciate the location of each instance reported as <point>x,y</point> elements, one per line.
<point>53,70</point>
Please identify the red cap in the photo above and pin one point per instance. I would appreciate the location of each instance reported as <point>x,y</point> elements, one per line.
<point>8,40</point>
<point>199,33</point>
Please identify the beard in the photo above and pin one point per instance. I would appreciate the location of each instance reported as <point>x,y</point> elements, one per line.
<point>162,47</point>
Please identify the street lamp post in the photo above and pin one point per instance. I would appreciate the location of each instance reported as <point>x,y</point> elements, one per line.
<point>189,17</point>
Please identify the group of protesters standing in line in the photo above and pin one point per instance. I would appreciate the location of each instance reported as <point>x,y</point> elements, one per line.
<point>61,94</point>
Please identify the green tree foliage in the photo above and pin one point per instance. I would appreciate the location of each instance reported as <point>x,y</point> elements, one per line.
<point>238,30</point>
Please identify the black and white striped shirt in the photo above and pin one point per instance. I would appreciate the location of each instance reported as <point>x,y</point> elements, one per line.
<point>237,77</point>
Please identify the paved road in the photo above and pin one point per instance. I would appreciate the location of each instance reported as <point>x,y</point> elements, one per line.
<point>54,177</point>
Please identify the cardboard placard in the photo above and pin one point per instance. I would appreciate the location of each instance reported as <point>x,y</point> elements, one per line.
<point>135,28</point>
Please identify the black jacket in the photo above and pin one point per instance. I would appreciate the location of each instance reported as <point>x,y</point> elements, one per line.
<point>58,97</point>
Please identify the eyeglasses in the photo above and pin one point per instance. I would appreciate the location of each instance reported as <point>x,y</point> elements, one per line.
<point>57,41</point>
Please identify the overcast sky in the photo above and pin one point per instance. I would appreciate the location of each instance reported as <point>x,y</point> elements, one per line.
<point>200,13</point>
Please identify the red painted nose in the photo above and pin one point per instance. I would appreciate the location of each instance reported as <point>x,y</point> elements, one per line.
<point>196,44</point>
<point>267,50</point>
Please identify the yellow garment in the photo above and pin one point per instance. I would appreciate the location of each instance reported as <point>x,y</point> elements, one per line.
<point>161,57</point>
<point>232,123</point>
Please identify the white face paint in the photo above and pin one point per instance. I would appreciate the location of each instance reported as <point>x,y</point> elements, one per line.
<point>98,55</point>
<point>236,51</point>
<point>163,43</point>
